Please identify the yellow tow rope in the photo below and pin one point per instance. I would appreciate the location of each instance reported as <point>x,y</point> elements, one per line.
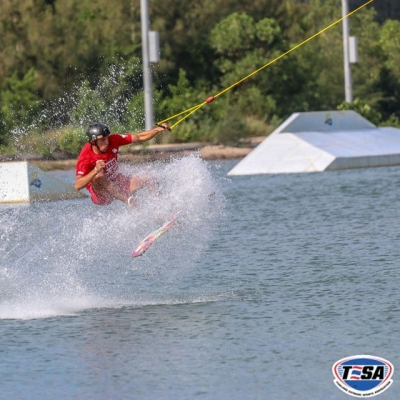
<point>193,109</point>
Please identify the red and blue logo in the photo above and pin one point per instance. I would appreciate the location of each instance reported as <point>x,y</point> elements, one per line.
<point>362,376</point>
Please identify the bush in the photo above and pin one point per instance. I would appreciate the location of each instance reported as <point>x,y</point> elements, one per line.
<point>230,129</point>
<point>392,121</point>
<point>362,108</point>
<point>4,136</point>
<point>71,141</point>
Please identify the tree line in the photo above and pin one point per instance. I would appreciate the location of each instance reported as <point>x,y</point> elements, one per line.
<point>67,63</point>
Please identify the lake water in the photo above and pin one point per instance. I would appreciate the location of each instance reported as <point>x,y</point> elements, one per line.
<point>264,284</point>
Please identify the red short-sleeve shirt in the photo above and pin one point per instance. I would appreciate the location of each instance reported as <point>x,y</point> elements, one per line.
<point>87,157</point>
<point>87,161</point>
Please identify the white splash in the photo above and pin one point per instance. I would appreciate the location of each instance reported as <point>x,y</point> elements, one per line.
<point>64,257</point>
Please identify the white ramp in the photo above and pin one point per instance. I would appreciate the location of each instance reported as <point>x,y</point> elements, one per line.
<point>21,182</point>
<point>322,140</point>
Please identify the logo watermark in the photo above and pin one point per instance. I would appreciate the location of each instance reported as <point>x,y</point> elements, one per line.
<point>363,375</point>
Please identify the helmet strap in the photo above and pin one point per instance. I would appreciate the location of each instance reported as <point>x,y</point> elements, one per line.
<point>93,142</point>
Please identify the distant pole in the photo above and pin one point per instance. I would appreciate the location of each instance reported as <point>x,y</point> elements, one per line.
<point>147,77</point>
<point>348,85</point>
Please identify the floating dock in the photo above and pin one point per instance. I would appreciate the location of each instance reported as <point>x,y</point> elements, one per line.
<point>322,141</point>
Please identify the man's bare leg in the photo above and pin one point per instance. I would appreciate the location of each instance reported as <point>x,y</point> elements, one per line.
<point>102,185</point>
<point>145,180</point>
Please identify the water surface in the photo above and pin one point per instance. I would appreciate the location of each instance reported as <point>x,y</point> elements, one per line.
<point>258,291</point>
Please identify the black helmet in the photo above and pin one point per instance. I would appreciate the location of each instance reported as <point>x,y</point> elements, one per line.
<point>97,129</point>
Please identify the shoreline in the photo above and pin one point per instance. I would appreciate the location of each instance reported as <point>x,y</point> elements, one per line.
<point>156,152</point>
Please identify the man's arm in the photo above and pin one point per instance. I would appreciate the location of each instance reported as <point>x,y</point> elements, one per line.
<point>82,181</point>
<point>148,135</point>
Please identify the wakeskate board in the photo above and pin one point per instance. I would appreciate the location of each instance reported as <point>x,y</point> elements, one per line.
<point>153,236</point>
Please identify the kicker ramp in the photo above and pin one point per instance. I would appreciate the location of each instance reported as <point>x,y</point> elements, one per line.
<point>321,141</point>
<point>21,182</point>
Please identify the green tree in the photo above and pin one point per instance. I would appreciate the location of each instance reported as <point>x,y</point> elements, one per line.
<point>245,45</point>
<point>64,39</point>
<point>48,47</point>
<point>390,42</point>
<point>182,97</point>
<point>387,90</point>
<point>322,57</point>
<point>20,103</point>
